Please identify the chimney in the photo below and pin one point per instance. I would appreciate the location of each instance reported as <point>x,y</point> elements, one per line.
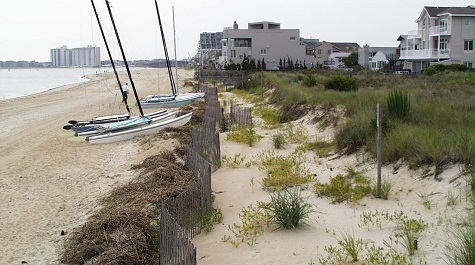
<point>235,25</point>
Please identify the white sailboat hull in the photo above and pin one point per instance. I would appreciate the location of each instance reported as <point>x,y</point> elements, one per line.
<point>148,129</point>
<point>170,101</point>
<point>110,127</point>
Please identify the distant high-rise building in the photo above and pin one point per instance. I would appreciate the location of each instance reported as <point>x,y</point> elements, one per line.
<point>86,56</point>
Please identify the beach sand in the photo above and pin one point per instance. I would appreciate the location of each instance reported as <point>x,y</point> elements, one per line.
<point>52,182</point>
<point>238,188</point>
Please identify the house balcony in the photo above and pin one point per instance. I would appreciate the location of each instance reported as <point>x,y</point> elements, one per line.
<point>414,34</point>
<point>425,54</point>
<point>439,30</point>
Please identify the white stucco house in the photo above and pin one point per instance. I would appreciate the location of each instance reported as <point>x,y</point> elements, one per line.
<point>444,35</point>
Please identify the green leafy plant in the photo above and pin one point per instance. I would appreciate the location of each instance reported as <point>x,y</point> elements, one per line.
<point>295,134</point>
<point>410,230</point>
<point>351,245</point>
<point>255,220</point>
<point>287,208</point>
<point>244,135</point>
<point>208,221</point>
<point>232,162</point>
<point>352,187</point>
<point>282,171</point>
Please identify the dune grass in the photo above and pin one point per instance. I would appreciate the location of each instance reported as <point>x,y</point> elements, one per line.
<point>438,130</point>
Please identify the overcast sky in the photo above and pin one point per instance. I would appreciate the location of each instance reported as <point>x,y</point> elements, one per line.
<point>30,28</point>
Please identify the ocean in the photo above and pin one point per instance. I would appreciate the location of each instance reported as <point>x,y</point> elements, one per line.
<point>16,83</point>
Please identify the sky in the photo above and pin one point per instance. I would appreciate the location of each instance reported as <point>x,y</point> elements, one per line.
<point>30,28</point>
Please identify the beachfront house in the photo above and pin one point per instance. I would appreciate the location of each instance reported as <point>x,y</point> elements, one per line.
<point>378,58</point>
<point>269,42</point>
<point>444,35</point>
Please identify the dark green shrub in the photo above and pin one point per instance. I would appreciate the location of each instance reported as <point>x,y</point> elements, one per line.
<point>309,81</point>
<point>431,70</point>
<point>288,209</point>
<point>399,104</point>
<point>341,83</point>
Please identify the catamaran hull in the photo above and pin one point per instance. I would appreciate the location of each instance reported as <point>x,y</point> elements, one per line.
<point>102,130</point>
<point>170,101</point>
<point>149,129</point>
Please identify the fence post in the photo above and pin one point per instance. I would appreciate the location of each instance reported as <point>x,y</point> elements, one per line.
<point>379,118</point>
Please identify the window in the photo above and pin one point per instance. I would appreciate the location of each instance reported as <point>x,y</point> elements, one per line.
<point>233,53</point>
<point>263,51</point>
<point>292,38</point>
<point>468,64</point>
<point>443,45</point>
<point>469,21</point>
<point>468,45</point>
<point>319,51</point>
<point>329,51</point>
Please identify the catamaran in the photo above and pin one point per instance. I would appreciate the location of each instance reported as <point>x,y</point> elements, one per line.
<point>168,100</point>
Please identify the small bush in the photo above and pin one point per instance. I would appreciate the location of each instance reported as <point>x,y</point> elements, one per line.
<point>288,209</point>
<point>341,83</point>
<point>309,81</point>
<point>244,135</point>
<point>282,171</point>
<point>214,217</point>
<point>351,187</point>
<point>431,70</point>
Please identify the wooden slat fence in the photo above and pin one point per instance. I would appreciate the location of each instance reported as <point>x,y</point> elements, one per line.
<point>240,116</point>
<point>176,247</point>
<point>181,216</point>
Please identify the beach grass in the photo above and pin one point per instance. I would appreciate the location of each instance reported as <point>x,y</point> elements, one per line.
<point>438,130</point>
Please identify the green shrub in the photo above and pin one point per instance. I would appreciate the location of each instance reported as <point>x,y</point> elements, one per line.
<point>350,187</point>
<point>309,81</point>
<point>341,83</point>
<point>244,135</point>
<point>282,171</point>
<point>431,70</point>
<point>214,217</point>
<point>287,208</point>
<point>399,104</point>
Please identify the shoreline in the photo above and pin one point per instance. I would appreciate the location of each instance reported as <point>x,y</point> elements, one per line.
<point>52,181</point>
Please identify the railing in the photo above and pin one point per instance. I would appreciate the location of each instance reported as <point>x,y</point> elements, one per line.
<point>437,30</point>
<point>414,34</point>
<point>425,54</point>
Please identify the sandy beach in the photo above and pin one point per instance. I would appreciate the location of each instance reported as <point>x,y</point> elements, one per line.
<point>52,181</point>
<point>419,196</point>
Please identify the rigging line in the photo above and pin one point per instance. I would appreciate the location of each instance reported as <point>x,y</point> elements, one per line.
<point>170,74</point>
<point>110,56</point>
<point>125,60</point>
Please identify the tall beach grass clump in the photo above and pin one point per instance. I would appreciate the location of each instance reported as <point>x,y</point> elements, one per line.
<point>288,209</point>
<point>399,104</point>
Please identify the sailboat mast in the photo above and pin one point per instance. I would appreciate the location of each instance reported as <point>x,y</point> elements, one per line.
<point>110,55</point>
<point>174,46</point>
<point>170,74</point>
<point>123,57</point>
